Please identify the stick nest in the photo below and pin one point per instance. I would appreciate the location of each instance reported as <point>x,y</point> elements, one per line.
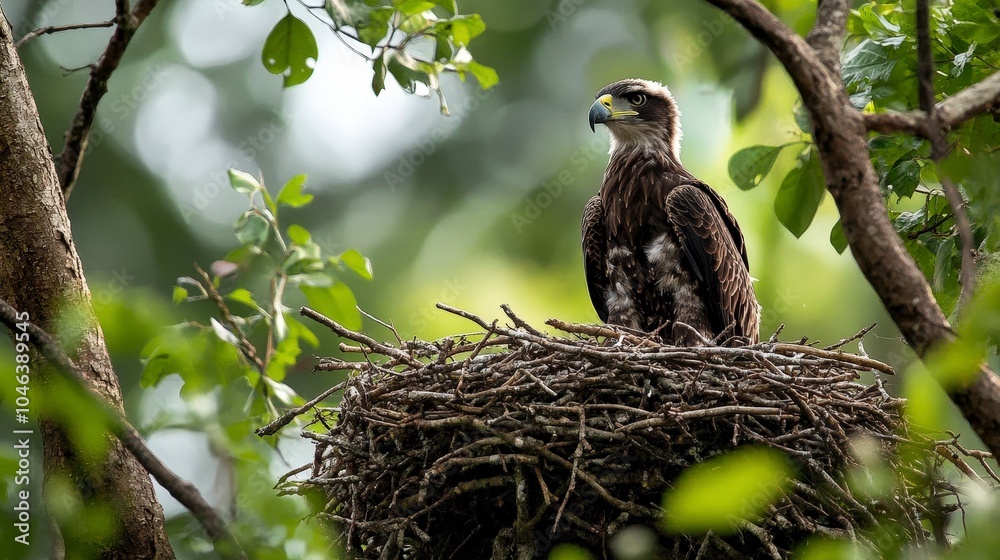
<point>502,444</point>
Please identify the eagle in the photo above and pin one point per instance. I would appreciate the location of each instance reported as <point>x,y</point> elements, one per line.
<point>662,253</point>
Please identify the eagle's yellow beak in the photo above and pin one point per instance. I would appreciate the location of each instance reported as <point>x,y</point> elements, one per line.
<point>603,110</point>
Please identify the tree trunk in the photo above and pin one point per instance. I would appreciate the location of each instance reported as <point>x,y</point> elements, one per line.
<point>41,274</point>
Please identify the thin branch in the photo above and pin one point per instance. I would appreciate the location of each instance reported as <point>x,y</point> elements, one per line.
<point>287,417</point>
<point>60,28</point>
<point>951,112</point>
<point>68,161</point>
<point>183,491</point>
<point>246,348</point>
<point>343,331</point>
<point>939,149</point>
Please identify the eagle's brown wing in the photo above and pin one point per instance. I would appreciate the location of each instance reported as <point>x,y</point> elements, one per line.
<point>713,246</point>
<point>594,255</point>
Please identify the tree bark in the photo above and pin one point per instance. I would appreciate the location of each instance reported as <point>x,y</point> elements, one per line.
<point>41,273</point>
<point>841,135</point>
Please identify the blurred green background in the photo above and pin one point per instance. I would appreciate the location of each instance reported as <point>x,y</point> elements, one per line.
<point>474,210</point>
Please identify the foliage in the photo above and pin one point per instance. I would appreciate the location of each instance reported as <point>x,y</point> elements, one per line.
<point>716,494</point>
<point>879,73</point>
<point>414,41</point>
<point>241,340</point>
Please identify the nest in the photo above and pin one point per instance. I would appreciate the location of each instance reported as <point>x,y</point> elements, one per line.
<point>502,444</point>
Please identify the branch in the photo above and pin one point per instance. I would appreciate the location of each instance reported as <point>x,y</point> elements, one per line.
<point>59,28</point>
<point>939,149</point>
<point>951,112</point>
<point>182,490</point>
<point>69,160</point>
<point>827,33</point>
<point>840,134</point>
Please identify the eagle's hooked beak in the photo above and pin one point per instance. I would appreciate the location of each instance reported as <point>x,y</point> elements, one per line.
<point>603,110</point>
<point>600,111</point>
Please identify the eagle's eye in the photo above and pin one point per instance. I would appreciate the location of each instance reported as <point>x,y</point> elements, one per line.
<point>637,99</point>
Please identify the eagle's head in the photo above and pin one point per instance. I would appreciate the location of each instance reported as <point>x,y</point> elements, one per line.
<point>640,115</point>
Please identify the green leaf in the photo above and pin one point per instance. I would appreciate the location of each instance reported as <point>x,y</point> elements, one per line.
<point>348,12</point>
<point>567,551</point>
<point>291,194</point>
<point>378,79</point>
<point>336,302</point>
<point>251,228</point>
<point>243,182</point>
<point>243,296</point>
<point>279,324</point>
<point>903,178</point>
<point>298,234</point>
<point>800,194</point>
<point>406,70</point>
<point>442,49</point>
<point>376,27</point>
<point>315,279</point>
<point>290,50</point>
<point>869,61</point>
<point>961,59</point>
<point>837,237</point>
<point>243,255</point>
<point>719,493</point>
<point>252,2</point>
<point>302,259</point>
<point>180,294</point>
<point>412,7</point>
<point>358,263</point>
<point>486,76</point>
<point>907,222</point>
<point>465,28</point>
<point>749,166</point>
<point>286,353</point>
<point>224,334</point>
<point>449,5</point>
<point>944,264</point>
<point>282,392</point>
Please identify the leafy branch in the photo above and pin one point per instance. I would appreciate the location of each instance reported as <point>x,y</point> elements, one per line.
<point>414,41</point>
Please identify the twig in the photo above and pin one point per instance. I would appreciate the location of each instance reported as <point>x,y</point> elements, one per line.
<point>954,459</point>
<point>60,28</point>
<point>68,161</point>
<point>183,491</point>
<point>939,149</point>
<point>248,350</point>
<point>287,417</point>
<point>842,342</point>
<point>360,338</point>
<point>388,326</point>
